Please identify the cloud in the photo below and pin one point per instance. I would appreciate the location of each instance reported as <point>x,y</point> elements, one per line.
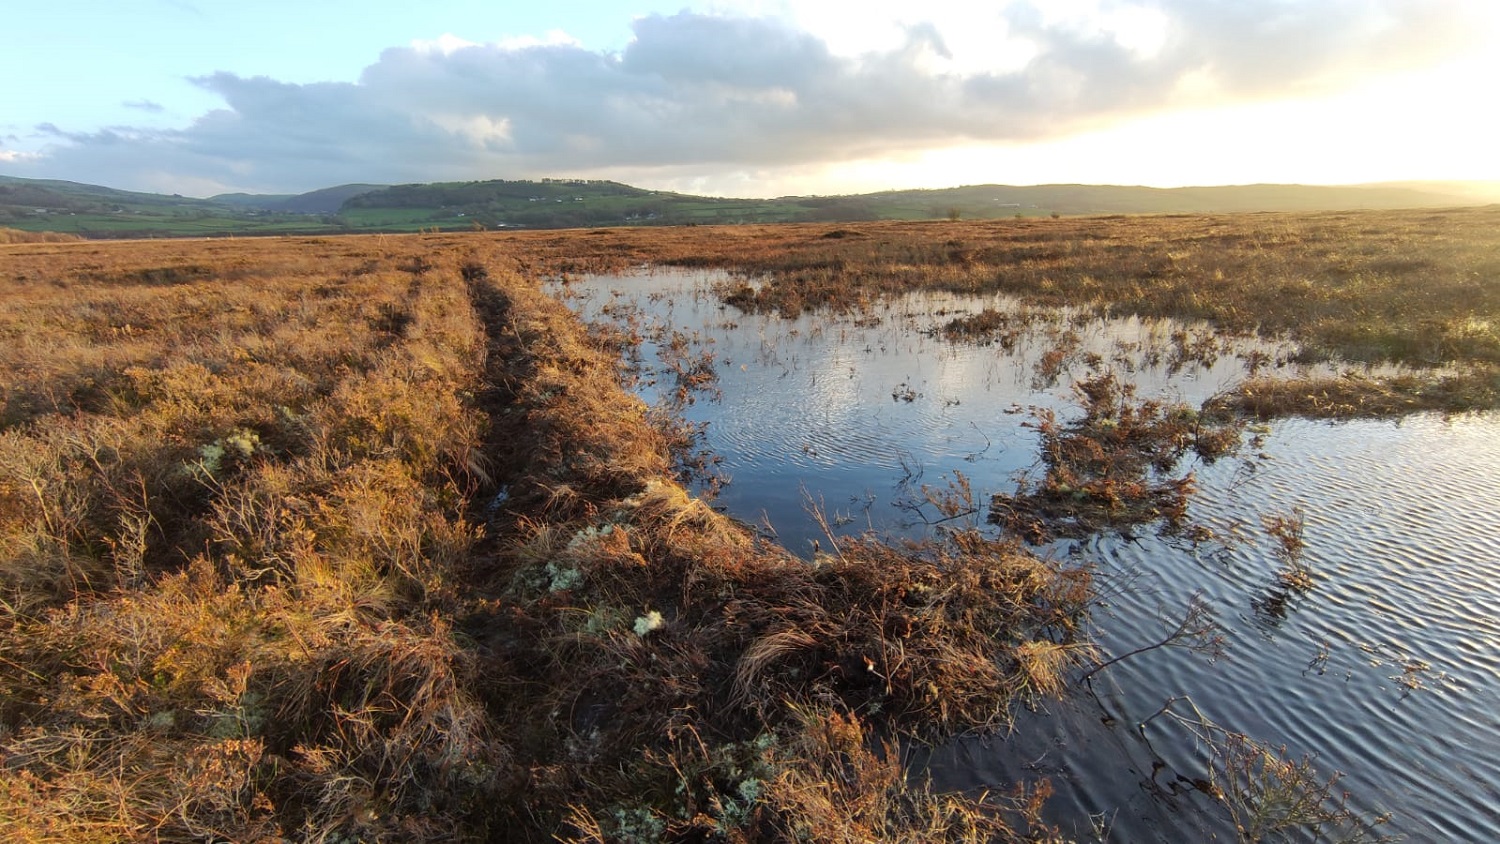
<point>693,92</point>
<point>145,105</point>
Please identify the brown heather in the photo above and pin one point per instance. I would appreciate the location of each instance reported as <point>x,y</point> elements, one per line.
<point>361,539</point>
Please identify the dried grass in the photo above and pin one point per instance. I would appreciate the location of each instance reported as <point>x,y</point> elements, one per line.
<point>234,486</point>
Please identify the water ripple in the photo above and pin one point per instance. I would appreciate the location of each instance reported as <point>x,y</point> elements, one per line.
<point>1387,669</point>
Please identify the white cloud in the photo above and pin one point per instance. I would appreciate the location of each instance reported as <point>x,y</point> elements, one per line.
<point>553,38</point>
<point>445,44</point>
<point>712,96</point>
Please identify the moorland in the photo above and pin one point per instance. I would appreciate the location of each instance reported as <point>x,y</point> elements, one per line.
<point>361,538</point>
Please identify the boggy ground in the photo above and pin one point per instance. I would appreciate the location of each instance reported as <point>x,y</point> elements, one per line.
<point>1416,288</point>
<point>360,539</point>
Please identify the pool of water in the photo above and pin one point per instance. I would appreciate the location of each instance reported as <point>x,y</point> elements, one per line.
<point>1387,670</point>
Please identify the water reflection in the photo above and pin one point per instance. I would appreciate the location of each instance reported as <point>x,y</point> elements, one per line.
<point>1387,667</point>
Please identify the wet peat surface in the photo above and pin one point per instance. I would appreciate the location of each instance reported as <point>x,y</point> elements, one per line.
<point>1386,669</point>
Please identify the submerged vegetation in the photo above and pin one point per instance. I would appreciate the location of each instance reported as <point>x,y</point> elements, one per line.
<point>362,539</point>
<point>1114,466</point>
<point>1268,794</point>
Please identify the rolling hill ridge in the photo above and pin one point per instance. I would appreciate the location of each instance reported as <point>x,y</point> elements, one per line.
<point>96,211</point>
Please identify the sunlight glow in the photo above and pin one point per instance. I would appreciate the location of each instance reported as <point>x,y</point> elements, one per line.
<point>1424,126</point>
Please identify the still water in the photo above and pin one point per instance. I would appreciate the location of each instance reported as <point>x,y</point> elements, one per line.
<point>1387,670</point>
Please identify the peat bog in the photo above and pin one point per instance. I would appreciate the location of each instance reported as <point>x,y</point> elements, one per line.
<point>364,537</point>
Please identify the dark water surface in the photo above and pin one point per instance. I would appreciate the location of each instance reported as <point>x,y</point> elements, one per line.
<point>1388,670</point>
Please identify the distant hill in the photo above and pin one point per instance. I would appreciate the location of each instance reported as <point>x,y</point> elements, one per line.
<point>56,195</point>
<point>595,202</point>
<point>555,203</point>
<point>551,203</point>
<point>324,201</point>
<point>95,211</point>
<point>257,201</point>
<point>1475,191</point>
<point>997,200</point>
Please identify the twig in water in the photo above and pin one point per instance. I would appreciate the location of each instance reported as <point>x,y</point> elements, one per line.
<point>1198,631</point>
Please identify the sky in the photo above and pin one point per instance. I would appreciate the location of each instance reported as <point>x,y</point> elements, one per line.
<point>748,97</point>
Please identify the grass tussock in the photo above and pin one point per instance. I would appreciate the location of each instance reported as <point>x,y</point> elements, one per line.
<point>831,782</point>
<point>834,785</point>
<point>1114,466</point>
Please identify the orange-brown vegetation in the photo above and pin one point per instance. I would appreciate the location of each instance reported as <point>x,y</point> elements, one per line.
<point>1354,394</point>
<point>231,515</point>
<point>17,236</point>
<point>360,539</point>
<point>1115,466</point>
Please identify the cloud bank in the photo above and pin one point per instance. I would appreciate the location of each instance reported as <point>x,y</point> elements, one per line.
<point>694,92</point>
